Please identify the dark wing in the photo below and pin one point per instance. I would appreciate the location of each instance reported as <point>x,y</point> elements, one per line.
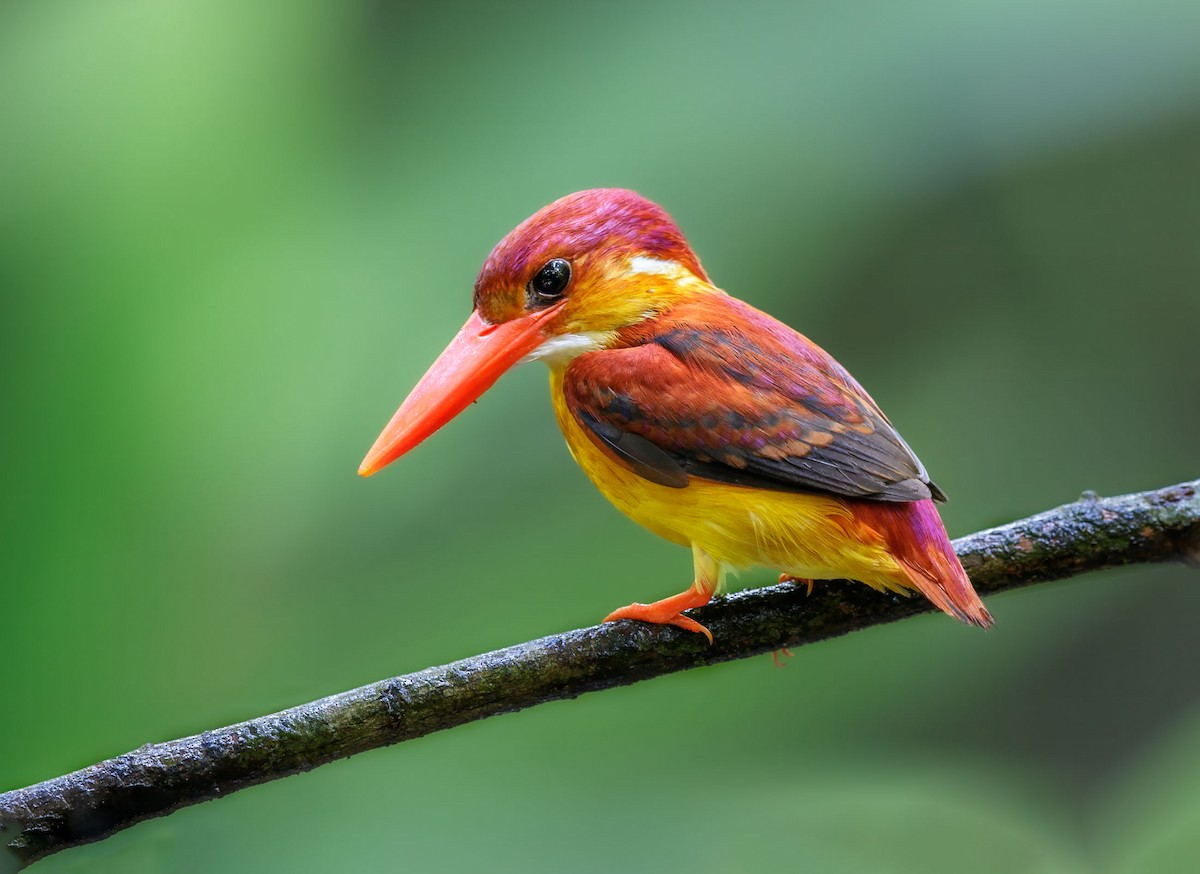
<point>716,389</point>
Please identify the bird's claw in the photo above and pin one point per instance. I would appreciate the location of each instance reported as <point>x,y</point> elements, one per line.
<point>788,578</point>
<point>649,613</point>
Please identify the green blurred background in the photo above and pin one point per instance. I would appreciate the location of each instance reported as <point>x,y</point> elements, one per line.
<point>232,236</point>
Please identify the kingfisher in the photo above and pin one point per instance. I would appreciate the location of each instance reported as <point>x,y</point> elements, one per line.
<point>700,417</point>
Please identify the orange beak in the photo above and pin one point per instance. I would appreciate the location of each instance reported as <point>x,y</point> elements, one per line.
<point>477,357</point>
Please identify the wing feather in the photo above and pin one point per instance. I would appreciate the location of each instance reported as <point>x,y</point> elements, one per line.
<point>716,389</point>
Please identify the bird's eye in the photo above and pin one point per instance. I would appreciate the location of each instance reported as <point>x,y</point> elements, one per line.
<point>550,282</point>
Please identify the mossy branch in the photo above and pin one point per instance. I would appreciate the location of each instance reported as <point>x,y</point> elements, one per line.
<point>93,803</point>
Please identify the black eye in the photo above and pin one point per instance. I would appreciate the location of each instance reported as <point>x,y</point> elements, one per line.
<point>550,282</point>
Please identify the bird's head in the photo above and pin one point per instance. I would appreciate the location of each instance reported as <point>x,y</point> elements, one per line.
<point>589,263</point>
<point>563,282</point>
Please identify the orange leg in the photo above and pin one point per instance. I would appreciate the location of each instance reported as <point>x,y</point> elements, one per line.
<point>669,611</point>
<point>804,581</point>
<point>779,663</point>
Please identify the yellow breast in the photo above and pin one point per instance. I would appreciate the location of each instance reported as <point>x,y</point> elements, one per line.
<point>810,536</point>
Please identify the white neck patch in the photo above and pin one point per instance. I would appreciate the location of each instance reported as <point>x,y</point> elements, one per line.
<point>654,266</point>
<point>560,350</point>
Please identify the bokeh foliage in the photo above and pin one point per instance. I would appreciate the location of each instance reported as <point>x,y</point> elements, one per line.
<point>232,235</point>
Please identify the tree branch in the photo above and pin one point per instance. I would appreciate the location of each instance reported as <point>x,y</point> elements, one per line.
<point>93,803</point>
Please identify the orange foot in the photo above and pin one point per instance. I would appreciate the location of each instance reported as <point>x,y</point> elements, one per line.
<point>669,611</point>
<point>788,578</point>
<point>787,653</point>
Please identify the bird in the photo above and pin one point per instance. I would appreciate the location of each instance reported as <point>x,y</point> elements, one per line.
<point>701,418</point>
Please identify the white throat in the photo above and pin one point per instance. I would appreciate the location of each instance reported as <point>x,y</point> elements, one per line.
<point>559,351</point>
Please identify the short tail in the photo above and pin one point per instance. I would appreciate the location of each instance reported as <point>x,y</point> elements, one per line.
<point>918,541</point>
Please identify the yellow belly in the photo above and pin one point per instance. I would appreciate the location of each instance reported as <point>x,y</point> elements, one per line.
<point>801,535</point>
